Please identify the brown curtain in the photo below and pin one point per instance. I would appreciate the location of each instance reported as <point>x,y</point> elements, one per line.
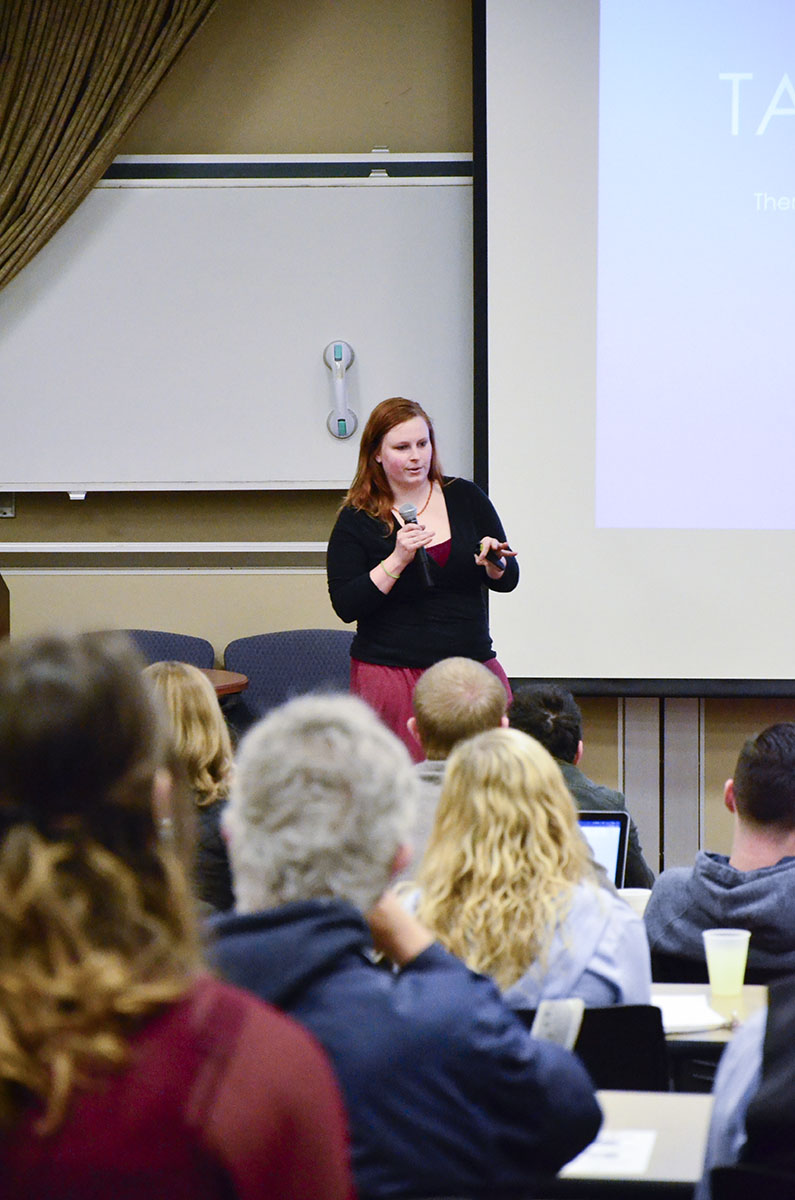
<point>73,75</point>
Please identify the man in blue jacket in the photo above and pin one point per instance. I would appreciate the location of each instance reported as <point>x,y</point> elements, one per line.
<point>446,1091</point>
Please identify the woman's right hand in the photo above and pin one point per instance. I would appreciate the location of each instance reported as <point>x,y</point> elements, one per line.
<point>410,538</point>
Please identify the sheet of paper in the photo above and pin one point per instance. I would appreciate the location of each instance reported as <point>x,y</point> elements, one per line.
<point>614,1154</point>
<point>686,1014</point>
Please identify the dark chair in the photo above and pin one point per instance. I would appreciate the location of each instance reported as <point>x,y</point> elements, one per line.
<point>622,1046</point>
<point>694,1064</point>
<point>743,1180</point>
<point>157,646</point>
<point>286,664</point>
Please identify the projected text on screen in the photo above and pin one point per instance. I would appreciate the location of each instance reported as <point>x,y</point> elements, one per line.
<point>696,261</point>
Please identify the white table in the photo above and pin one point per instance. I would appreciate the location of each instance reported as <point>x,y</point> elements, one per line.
<point>679,1122</point>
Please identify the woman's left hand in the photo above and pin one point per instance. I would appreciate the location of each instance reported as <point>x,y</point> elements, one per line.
<point>501,548</point>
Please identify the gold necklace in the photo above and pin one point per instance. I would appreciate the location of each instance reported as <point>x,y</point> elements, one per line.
<point>427,502</point>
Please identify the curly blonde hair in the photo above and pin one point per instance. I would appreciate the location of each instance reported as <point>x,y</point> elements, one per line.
<point>201,737</point>
<point>97,929</point>
<point>504,856</point>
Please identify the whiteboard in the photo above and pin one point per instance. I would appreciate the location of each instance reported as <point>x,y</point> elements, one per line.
<point>171,335</point>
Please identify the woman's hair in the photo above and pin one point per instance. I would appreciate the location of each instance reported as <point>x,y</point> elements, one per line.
<point>370,490</point>
<point>97,928</point>
<point>504,855</point>
<point>201,738</point>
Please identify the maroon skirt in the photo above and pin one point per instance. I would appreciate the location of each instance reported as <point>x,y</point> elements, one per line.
<point>388,690</point>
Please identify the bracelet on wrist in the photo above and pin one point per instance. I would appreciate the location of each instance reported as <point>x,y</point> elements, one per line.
<point>386,572</point>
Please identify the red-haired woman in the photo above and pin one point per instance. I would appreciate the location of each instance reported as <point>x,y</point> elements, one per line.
<point>415,588</point>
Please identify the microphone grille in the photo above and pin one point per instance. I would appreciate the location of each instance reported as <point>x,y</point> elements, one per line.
<point>408,512</point>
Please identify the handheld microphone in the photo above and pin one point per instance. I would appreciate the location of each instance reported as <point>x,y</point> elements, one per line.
<point>409,514</point>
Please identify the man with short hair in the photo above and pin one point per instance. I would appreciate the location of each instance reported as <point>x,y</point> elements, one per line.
<point>453,700</point>
<point>446,1091</point>
<point>550,714</point>
<point>754,887</point>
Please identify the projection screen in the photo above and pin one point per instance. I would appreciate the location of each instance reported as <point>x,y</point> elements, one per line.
<point>641,336</point>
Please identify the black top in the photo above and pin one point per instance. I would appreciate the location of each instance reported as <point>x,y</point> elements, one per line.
<point>413,625</point>
<point>213,877</point>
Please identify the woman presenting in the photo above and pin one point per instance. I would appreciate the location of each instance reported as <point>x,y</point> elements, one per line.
<point>414,583</point>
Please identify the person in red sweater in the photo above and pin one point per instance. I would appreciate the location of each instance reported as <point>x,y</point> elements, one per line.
<point>126,1070</point>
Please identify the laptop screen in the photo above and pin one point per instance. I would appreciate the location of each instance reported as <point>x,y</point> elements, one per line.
<point>606,833</point>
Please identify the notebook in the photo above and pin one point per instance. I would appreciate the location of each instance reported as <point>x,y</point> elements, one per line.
<point>607,834</point>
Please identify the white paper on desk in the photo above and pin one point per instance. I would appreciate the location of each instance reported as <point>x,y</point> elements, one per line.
<point>687,1014</point>
<point>614,1154</point>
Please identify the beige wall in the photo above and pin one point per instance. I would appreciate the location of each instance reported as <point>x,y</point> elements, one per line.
<point>317,77</point>
<point>600,738</point>
<point>217,606</point>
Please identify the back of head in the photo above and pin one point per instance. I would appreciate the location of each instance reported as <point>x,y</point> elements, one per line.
<point>200,734</point>
<point>96,925</point>
<point>322,798</point>
<point>80,739</point>
<point>454,700</point>
<point>549,713</point>
<point>504,854</point>
<point>764,779</point>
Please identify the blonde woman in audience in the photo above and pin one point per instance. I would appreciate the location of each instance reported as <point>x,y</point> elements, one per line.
<point>507,882</point>
<point>203,747</point>
<point>125,1069</point>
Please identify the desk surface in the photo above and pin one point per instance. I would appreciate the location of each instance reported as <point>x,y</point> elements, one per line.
<point>753,997</point>
<point>680,1123</point>
<point>226,683</point>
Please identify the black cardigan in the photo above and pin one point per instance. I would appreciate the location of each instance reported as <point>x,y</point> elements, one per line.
<point>415,626</point>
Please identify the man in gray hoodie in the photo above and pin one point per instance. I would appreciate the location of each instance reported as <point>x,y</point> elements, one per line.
<point>754,888</point>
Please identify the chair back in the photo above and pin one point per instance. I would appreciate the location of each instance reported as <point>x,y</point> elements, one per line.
<point>742,1180</point>
<point>289,663</point>
<point>158,646</point>
<point>622,1046</point>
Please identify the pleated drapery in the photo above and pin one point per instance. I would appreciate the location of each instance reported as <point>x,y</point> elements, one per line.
<point>73,76</point>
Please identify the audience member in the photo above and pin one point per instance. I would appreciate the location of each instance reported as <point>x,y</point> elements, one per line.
<point>125,1069</point>
<point>446,1091</point>
<point>754,1094</point>
<point>508,884</point>
<point>203,747</point>
<point>754,888</point>
<point>453,700</point>
<point>550,714</point>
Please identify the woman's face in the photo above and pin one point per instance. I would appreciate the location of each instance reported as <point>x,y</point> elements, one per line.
<point>405,454</point>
